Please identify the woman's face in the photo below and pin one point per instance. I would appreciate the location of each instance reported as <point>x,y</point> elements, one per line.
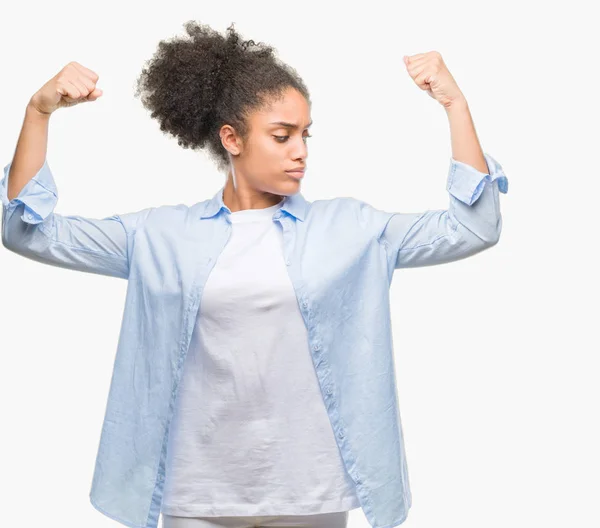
<point>272,148</point>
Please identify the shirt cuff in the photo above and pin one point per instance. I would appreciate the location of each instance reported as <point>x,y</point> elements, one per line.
<point>39,195</point>
<point>466,183</point>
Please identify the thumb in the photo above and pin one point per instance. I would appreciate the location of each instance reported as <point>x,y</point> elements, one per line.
<point>94,95</point>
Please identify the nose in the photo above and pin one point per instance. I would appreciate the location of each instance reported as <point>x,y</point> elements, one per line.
<point>302,151</point>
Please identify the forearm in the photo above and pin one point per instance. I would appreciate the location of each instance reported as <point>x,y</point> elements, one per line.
<point>465,144</point>
<point>30,152</point>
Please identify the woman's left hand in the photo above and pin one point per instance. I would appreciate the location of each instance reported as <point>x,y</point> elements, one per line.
<point>430,73</point>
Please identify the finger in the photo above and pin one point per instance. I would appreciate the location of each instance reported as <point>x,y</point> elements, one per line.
<point>416,70</point>
<point>94,95</point>
<point>413,58</point>
<point>87,72</point>
<point>423,80</point>
<point>87,82</point>
<point>85,79</point>
<point>79,84</point>
<point>67,89</point>
<point>418,61</point>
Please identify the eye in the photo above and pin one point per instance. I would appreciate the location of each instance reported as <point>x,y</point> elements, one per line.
<point>283,139</point>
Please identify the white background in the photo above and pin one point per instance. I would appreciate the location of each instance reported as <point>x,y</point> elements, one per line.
<point>496,355</point>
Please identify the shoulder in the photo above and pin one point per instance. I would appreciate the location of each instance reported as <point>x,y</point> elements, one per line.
<point>155,216</point>
<point>350,207</point>
<point>349,213</point>
<point>338,204</point>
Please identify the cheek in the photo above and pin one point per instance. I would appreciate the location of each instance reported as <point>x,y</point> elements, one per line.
<point>265,156</point>
<point>273,148</point>
<point>271,153</point>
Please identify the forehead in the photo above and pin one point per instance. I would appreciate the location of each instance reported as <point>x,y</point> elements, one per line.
<point>292,107</point>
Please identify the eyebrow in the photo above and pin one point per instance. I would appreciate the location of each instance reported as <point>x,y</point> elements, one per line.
<point>288,125</point>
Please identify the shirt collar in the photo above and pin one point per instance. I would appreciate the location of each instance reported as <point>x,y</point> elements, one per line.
<point>295,204</point>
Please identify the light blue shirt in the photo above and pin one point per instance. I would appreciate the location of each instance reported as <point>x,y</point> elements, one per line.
<point>340,254</point>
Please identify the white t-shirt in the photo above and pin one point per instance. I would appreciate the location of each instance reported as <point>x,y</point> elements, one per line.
<point>250,434</point>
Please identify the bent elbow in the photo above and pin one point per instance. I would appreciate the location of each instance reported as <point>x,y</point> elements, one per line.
<point>490,234</point>
<point>23,238</point>
<point>496,237</point>
<point>13,244</point>
<point>491,239</point>
<point>7,238</point>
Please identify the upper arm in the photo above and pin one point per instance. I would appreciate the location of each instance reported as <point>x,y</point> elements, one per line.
<point>30,228</point>
<point>471,223</point>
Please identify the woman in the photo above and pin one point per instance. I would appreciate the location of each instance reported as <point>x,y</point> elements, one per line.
<point>216,415</point>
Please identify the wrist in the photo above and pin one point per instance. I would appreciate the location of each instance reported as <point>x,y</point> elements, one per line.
<point>457,105</point>
<point>32,113</point>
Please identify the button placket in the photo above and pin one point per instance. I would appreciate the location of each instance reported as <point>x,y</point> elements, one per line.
<point>317,351</point>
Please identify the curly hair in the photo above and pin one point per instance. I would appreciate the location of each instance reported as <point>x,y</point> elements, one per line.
<point>193,86</point>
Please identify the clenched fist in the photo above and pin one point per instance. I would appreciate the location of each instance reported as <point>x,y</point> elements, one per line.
<point>72,85</point>
<point>430,73</point>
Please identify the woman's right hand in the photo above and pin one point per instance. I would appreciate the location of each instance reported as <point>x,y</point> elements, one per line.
<point>72,85</point>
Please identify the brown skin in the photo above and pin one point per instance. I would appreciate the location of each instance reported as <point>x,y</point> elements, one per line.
<point>257,177</point>
<point>72,85</point>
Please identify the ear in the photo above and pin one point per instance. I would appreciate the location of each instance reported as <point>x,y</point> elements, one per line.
<point>230,140</point>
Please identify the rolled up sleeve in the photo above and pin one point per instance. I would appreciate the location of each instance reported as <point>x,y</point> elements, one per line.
<point>471,223</point>
<point>466,183</point>
<point>31,228</point>
<point>39,196</point>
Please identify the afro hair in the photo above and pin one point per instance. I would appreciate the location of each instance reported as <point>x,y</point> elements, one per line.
<point>195,84</point>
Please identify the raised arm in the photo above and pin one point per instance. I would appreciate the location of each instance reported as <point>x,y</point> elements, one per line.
<point>472,222</point>
<point>30,228</point>
<point>28,192</point>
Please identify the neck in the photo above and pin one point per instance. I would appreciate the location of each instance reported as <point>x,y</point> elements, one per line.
<point>246,197</point>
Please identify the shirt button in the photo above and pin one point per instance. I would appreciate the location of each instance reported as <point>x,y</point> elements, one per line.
<point>304,304</point>
<point>30,216</point>
<point>341,434</point>
<point>287,262</point>
<point>317,347</point>
<point>328,391</point>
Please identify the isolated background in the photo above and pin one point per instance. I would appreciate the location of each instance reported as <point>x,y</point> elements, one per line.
<point>496,355</point>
